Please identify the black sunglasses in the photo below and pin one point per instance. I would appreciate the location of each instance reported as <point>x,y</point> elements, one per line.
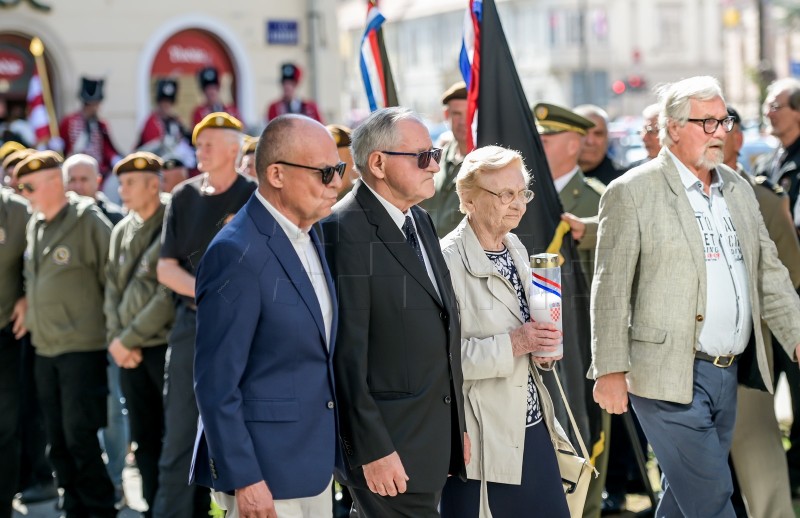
<point>423,158</point>
<point>22,187</point>
<point>326,172</point>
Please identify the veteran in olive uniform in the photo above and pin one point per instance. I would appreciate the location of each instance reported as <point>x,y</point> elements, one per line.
<point>13,218</point>
<point>757,451</point>
<point>443,206</point>
<point>139,311</point>
<point>562,132</point>
<point>199,208</point>
<point>65,261</point>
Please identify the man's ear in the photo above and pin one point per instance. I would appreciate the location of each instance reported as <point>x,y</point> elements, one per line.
<point>274,175</point>
<point>672,130</point>
<point>376,164</point>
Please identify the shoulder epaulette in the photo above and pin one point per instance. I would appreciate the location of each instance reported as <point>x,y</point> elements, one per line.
<point>763,180</point>
<point>595,184</point>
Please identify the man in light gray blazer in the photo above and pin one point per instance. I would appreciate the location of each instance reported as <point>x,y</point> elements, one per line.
<point>685,270</point>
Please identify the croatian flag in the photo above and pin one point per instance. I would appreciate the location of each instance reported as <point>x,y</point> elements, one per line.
<point>37,111</point>
<point>469,62</point>
<point>375,70</point>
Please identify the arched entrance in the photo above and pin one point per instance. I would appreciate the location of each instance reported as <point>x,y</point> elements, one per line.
<point>17,66</point>
<point>196,41</point>
<point>182,56</point>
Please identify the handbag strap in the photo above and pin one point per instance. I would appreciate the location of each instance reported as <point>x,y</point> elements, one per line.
<point>584,451</point>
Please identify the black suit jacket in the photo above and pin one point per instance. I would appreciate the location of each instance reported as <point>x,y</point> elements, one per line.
<point>397,360</point>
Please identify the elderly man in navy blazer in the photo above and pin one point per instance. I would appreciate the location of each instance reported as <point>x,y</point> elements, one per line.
<point>266,322</point>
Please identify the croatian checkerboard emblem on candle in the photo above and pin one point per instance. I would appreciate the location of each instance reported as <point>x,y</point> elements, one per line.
<point>545,299</point>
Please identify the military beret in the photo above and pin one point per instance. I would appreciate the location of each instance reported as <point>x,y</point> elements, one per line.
<point>456,91</point>
<point>9,147</point>
<point>341,134</point>
<point>38,161</point>
<point>140,162</point>
<point>249,145</point>
<point>216,120</point>
<point>551,118</point>
<point>15,158</point>
<point>172,163</point>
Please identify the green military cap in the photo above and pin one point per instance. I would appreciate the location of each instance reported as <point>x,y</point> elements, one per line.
<point>14,158</point>
<point>341,134</point>
<point>140,162</point>
<point>38,161</point>
<point>249,145</point>
<point>551,118</point>
<point>216,120</point>
<point>9,147</point>
<point>456,91</point>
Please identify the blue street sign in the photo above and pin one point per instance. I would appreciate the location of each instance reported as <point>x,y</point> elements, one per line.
<point>282,32</point>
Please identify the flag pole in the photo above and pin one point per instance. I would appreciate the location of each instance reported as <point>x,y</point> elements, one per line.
<point>37,49</point>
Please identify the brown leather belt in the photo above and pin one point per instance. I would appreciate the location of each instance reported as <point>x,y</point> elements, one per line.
<point>723,361</point>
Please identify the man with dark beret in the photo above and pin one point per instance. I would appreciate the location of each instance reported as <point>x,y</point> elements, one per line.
<point>139,311</point>
<point>65,262</point>
<point>443,206</point>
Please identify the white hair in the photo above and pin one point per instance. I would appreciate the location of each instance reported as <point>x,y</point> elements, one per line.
<point>485,160</point>
<point>674,100</point>
<point>591,110</point>
<point>378,132</point>
<point>79,159</point>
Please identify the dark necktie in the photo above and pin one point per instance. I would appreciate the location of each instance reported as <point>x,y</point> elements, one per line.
<point>411,238</point>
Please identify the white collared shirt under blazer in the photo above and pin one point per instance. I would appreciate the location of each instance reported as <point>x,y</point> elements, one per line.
<point>650,284</point>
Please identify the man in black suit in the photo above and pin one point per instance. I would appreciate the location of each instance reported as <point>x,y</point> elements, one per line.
<point>397,362</point>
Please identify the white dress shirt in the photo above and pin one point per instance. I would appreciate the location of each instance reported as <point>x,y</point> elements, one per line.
<point>562,181</point>
<point>309,257</point>
<point>399,219</point>
<point>728,320</point>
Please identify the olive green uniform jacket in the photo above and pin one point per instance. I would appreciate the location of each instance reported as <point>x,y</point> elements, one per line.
<point>443,206</point>
<point>139,311</point>
<point>581,197</point>
<point>14,216</point>
<point>65,266</point>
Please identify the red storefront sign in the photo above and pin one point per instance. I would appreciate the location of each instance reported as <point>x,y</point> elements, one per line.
<point>186,52</point>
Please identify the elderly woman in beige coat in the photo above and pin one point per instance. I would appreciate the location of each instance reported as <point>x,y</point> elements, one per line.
<point>509,413</point>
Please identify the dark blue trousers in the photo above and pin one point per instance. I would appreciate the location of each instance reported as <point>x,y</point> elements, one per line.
<point>692,443</point>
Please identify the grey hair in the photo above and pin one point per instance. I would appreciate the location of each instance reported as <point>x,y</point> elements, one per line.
<point>482,160</point>
<point>377,132</point>
<point>651,110</point>
<point>589,110</point>
<point>674,100</point>
<point>79,159</point>
<point>786,84</point>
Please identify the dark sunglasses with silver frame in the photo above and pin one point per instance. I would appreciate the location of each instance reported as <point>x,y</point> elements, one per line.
<point>423,157</point>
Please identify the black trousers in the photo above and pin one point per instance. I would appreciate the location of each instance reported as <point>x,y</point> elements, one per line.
<point>10,397</point>
<point>784,364</point>
<point>367,504</point>
<point>73,390</point>
<point>35,469</point>
<point>143,390</point>
<point>175,497</point>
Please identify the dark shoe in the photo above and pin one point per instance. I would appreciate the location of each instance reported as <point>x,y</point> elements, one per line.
<point>613,504</point>
<point>38,493</point>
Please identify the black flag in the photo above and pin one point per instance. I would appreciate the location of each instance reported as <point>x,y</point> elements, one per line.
<point>505,119</point>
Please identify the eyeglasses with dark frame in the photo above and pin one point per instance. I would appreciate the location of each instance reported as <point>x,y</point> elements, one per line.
<point>23,187</point>
<point>326,172</point>
<point>506,197</point>
<point>710,125</point>
<point>423,158</point>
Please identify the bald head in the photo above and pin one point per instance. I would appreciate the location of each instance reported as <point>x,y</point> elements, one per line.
<point>285,137</point>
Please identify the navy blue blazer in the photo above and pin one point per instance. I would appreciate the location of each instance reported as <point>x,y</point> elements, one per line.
<point>263,374</point>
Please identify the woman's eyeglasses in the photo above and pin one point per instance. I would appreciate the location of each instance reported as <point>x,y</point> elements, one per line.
<point>506,197</point>
<point>423,158</point>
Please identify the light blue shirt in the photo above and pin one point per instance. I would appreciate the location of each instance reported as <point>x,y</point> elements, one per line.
<point>728,320</point>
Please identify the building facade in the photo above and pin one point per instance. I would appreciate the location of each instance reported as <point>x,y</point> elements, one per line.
<point>132,44</point>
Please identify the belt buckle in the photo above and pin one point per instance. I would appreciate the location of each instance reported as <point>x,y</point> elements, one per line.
<point>728,357</point>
